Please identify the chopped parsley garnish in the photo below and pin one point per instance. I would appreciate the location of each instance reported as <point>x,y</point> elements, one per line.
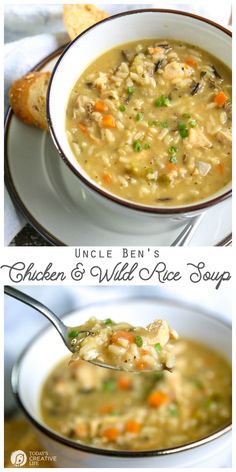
<point>73,333</point>
<point>158,347</point>
<point>139,341</point>
<point>172,150</point>
<point>108,321</point>
<point>122,108</point>
<point>186,115</point>
<point>130,90</point>
<point>164,124</point>
<point>192,123</point>
<point>183,131</point>
<point>152,123</point>
<point>162,101</point>
<point>146,146</point>
<point>173,410</point>
<point>109,385</point>
<point>159,376</point>
<point>137,146</point>
<point>207,403</point>
<point>197,382</point>
<point>139,116</point>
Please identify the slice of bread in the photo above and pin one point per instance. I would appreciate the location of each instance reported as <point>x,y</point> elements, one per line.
<point>27,98</point>
<point>78,18</point>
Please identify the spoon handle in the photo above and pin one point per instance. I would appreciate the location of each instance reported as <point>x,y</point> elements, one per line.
<point>28,300</point>
<point>186,235</point>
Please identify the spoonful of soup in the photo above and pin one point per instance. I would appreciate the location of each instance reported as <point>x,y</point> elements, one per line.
<point>106,343</point>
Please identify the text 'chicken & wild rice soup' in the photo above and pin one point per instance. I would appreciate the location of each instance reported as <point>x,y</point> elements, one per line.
<point>150,121</point>
<point>140,411</point>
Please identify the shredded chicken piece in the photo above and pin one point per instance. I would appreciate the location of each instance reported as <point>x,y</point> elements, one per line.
<point>101,81</point>
<point>160,332</point>
<point>224,137</point>
<point>177,70</point>
<point>198,139</point>
<point>88,378</point>
<point>91,349</point>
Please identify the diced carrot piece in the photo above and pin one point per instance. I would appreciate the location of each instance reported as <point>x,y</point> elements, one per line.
<point>81,430</point>
<point>106,409</point>
<point>132,427</point>
<point>144,352</point>
<point>191,62</point>
<point>108,121</point>
<point>157,399</point>
<point>111,434</point>
<point>125,383</point>
<point>141,365</point>
<point>220,99</point>
<point>122,335</point>
<point>106,178</point>
<point>100,106</point>
<point>75,364</point>
<point>170,166</point>
<point>82,128</point>
<point>154,50</point>
<point>220,168</point>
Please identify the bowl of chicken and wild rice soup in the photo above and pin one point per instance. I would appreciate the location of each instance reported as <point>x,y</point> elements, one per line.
<point>144,117</point>
<point>178,416</point>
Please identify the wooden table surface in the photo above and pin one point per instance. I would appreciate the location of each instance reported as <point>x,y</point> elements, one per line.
<point>19,434</point>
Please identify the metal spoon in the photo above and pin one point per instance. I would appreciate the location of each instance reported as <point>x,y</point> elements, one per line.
<point>186,235</point>
<point>62,329</point>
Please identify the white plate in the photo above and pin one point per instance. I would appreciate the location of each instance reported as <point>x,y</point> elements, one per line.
<point>50,196</point>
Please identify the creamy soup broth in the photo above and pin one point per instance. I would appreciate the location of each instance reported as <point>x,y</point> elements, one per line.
<point>150,121</point>
<point>143,411</point>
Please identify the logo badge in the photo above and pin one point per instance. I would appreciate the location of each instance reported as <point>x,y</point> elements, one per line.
<point>18,458</point>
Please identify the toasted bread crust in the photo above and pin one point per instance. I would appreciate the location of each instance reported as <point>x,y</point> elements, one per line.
<point>30,107</point>
<point>78,18</point>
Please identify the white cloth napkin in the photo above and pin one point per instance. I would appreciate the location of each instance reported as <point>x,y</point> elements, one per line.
<point>20,57</point>
<point>28,41</point>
